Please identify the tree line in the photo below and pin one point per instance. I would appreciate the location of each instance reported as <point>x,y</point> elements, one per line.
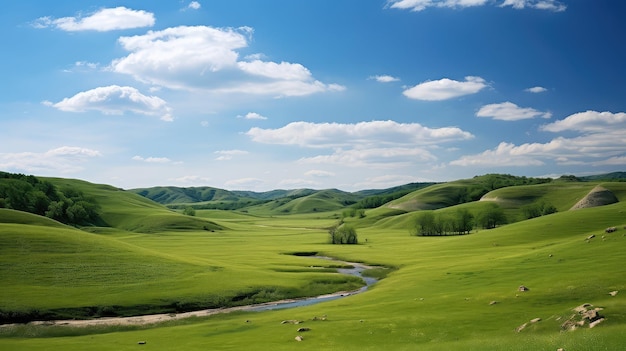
<point>430,223</point>
<point>29,194</point>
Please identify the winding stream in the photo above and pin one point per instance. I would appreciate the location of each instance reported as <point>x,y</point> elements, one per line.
<point>356,270</point>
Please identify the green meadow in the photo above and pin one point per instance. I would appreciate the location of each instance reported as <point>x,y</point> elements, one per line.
<point>437,293</point>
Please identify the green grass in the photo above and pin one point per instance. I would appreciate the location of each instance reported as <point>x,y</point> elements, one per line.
<point>436,297</point>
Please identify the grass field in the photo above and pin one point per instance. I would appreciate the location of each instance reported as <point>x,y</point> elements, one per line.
<point>440,295</point>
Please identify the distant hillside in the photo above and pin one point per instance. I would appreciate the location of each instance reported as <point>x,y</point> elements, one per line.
<point>458,192</point>
<point>318,201</point>
<point>614,176</point>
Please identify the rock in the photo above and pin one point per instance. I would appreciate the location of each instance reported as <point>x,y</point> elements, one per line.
<point>521,327</point>
<point>590,237</point>
<point>535,320</point>
<point>522,288</point>
<point>560,349</point>
<point>493,303</point>
<point>290,321</point>
<point>303,329</point>
<point>613,293</point>
<point>143,342</point>
<point>596,322</point>
<point>299,338</point>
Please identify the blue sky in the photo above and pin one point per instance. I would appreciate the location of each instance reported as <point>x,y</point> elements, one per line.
<point>348,94</point>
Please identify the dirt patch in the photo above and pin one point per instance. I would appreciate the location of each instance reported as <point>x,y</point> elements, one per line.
<point>598,196</point>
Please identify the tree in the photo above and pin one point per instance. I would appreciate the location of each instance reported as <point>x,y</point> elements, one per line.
<point>464,221</point>
<point>491,217</point>
<point>343,234</point>
<point>189,211</point>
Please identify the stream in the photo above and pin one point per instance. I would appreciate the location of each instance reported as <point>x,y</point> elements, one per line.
<point>356,270</point>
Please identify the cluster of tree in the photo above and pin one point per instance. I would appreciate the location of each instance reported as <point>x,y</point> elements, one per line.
<point>353,212</point>
<point>343,234</point>
<point>29,194</point>
<point>221,205</point>
<point>461,222</point>
<point>538,209</point>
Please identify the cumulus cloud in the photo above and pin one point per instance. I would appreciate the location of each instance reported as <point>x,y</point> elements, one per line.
<point>599,141</point>
<point>64,159</point>
<point>252,115</point>
<point>384,79</point>
<point>443,89</point>
<point>536,90</point>
<point>550,5</point>
<point>508,111</point>
<point>420,5</point>
<point>589,122</point>
<point>364,143</point>
<point>152,159</point>
<point>207,59</point>
<point>103,20</point>
<point>115,100</point>
<point>311,134</point>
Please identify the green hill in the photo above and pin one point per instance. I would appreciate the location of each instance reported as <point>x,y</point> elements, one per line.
<point>128,211</point>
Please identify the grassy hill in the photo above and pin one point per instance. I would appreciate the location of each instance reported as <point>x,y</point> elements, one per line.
<point>443,293</point>
<point>128,211</point>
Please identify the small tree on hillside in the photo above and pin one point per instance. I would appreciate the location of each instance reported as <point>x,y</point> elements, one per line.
<point>189,211</point>
<point>343,234</point>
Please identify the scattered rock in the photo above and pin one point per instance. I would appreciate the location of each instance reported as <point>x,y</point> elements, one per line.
<point>290,321</point>
<point>143,342</point>
<point>535,320</point>
<point>590,237</point>
<point>560,349</point>
<point>585,313</point>
<point>613,293</point>
<point>610,229</point>
<point>299,338</point>
<point>522,288</point>
<point>303,329</point>
<point>322,318</point>
<point>493,303</point>
<point>521,327</point>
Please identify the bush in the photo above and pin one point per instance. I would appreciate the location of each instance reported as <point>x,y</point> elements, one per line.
<point>343,234</point>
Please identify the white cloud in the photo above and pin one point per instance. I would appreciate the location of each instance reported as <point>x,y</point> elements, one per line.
<point>115,100</point>
<point>384,79</point>
<point>194,5</point>
<point>319,173</point>
<point>419,5</point>
<point>252,115</point>
<point>226,155</point>
<point>363,144</point>
<point>589,121</point>
<point>601,142</point>
<point>65,159</point>
<point>103,20</point>
<point>550,5</point>
<point>310,134</point>
<point>207,59</point>
<point>152,159</point>
<point>508,111</point>
<point>536,90</point>
<point>445,88</point>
